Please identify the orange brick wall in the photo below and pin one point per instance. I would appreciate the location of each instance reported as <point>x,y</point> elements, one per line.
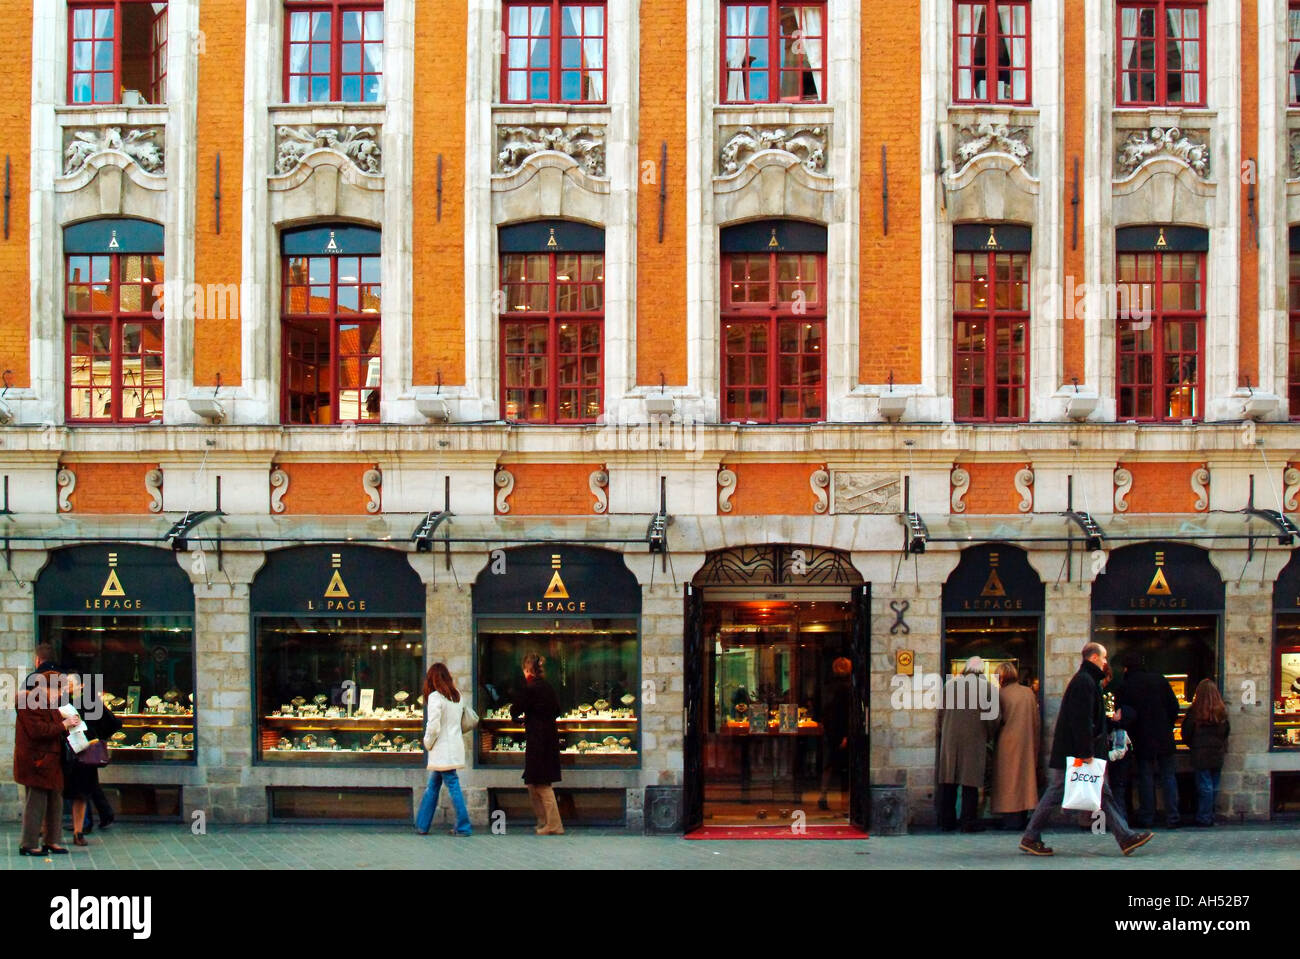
<point>1073,117</point>
<point>890,274</point>
<point>325,488</point>
<point>438,326</point>
<point>767,489</point>
<point>992,488</point>
<point>661,267</point>
<point>217,257</point>
<point>1248,288</point>
<point>551,489</point>
<point>16,144</point>
<point>1161,487</point>
<point>110,487</point>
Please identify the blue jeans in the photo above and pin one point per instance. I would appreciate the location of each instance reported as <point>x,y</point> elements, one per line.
<point>429,804</point>
<point>1147,770</point>
<point>1207,785</point>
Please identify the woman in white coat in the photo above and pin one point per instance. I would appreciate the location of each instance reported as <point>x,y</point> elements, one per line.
<point>444,741</point>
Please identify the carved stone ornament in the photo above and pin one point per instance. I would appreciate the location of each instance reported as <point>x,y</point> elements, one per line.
<point>1293,155</point>
<point>598,483</point>
<point>807,144</point>
<point>1200,484</point>
<point>985,136</point>
<point>1024,486</point>
<point>585,144</point>
<point>279,486</point>
<point>1141,145</point>
<point>820,481</point>
<point>726,487</point>
<point>874,493</point>
<point>505,483</point>
<point>371,481</point>
<point>153,482</point>
<point>1292,480</point>
<point>358,144</point>
<point>138,144</point>
<point>960,480</point>
<point>1123,485</point>
<point>67,481</point>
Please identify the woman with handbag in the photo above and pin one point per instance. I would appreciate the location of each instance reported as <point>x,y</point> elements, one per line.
<point>535,702</point>
<point>81,770</point>
<point>447,719</point>
<point>1205,731</point>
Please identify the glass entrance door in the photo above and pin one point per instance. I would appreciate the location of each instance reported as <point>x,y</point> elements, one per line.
<point>776,705</point>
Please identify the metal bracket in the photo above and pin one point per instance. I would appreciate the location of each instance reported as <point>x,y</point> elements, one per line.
<point>917,533</point>
<point>422,537</point>
<point>1286,530</point>
<point>1091,531</point>
<point>178,535</point>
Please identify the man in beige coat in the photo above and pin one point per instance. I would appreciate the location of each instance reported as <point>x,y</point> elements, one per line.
<point>1015,756</point>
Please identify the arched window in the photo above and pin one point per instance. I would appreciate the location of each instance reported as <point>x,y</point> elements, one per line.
<point>330,325</point>
<point>552,328</point>
<point>113,312</point>
<point>774,322</point>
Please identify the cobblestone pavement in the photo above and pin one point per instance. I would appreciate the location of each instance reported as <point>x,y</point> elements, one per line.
<point>153,846</point>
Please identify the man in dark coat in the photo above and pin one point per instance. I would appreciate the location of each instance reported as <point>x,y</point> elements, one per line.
<point>38,756</point>
<point>1151,696</point>
<point>1080,733</point>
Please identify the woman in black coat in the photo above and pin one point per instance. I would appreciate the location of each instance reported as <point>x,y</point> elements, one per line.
<point>536,704</point>
<point>80,781</point>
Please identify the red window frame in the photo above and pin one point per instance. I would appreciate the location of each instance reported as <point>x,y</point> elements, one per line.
<point>343,315</point>
<point>553,337</point>
<point>773,338</point>
<point>93,45</point>
<point>1159,70</point>
<point>591,80</point>
<point>1293,343</point>
<point>102,325</point>
<point>336,72</point>
<point>965,43</point>
<point>1293,54</point>
<point>990,373</point>
<point>1145,357</point>
<point>774,70</point>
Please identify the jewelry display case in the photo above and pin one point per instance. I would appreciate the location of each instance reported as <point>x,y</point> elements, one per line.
<point>593,666</point>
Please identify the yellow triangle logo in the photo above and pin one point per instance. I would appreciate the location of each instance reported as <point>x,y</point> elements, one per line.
<point>994,585</point>
<point>1161,242</point>
<point>1159,585</point>
<point>336,589</point>
<point>556,590</point>
<point>112,585</point>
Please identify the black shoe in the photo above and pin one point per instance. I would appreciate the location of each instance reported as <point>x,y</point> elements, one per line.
<point>1177,824</point>
<point>24,851</point>
<point>105,821</point>
<point>54,850</point>
<point>970,827</point>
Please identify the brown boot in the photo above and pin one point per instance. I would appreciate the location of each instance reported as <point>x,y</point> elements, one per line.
<point>553,825</point>
<point>539,808</point>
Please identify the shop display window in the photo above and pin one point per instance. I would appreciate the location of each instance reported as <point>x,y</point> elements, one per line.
<point>145,667</point>
<point>340,690</point>
<point>594,667</point>
<point>1286,691</point>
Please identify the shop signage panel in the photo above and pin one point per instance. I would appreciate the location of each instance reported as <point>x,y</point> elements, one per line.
<point>338,581</point>
<point>1158,577</point>
<point>557,580</point>
<point>113,579</point>
<point>993,578</point>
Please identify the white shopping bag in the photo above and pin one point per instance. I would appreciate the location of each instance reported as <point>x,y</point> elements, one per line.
<point>1083,781</point>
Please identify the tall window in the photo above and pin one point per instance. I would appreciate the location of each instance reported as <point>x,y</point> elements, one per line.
<point>1162,53</point>
<point>331,326</point>
<point>555,52</point>
<point>1293,347</point>
<point>990,328</point>
<point>113,319</point>
<point>117,52</point>
<point>334,51</point>
<point>773,52</point>
<point>1293,55</point>
<point>552,333</point>
<point>991,52</point>
<point>773,324</point>
<point>1160,352</point>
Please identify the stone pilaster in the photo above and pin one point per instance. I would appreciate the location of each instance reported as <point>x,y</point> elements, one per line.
<point>17,657</point>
